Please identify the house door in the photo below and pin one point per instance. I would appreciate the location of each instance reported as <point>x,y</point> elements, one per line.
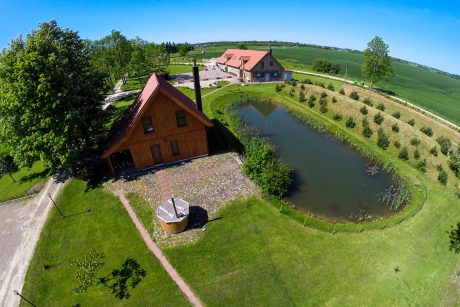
<point>267,76</point>
<point>156,153</point>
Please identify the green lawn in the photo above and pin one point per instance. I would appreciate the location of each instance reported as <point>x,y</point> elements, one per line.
<point>191,93</point>
<point>107,229</point>
<point>424,87</point>
<point>256,256</point>
<point>28,181</point>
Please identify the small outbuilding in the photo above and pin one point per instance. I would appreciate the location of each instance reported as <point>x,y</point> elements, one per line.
<point>161,126</point>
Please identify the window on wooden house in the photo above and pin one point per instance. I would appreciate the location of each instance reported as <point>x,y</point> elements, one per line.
<point>174,148</point>
<point>262,65</point>
<point>180,118</point>
<point>271,63</point>
<point>147,123</point>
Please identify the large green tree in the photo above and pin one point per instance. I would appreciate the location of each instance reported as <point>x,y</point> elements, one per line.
<point>50,98</point>
<point>377,62</point>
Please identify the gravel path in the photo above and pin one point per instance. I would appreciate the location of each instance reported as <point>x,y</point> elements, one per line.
<point>206,183</point>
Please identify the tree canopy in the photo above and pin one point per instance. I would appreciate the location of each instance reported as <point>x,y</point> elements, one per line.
<point>377,62</point>
<point>7,165</point>
<point>50,98</point>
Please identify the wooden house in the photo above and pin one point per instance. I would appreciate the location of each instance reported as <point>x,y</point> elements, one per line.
<point>161,126</point>
<point>253,65</point>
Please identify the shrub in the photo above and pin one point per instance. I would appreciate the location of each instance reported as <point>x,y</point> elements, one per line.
<point>322,65</point>
<point>350,123</point>
<point>383,141</point>
<point>443,177</point>
<point>330,87</point>
<point>395,128</point>
<point>323,108</point>
<point>302,87</point>
<point>334,100</point>
<point>342,92</point>
<point>414,141</point>
<point>311,100</point>
<point>396,114</point>
<point>279,87</point>
<point>320,84</point>
<point>439,168</point>
<point>381,107</point>
<point>302,97</point>
<point>323,102</point>
<point>367,131</point>
<point>323,95</point>
<point>367,101</point>
<point>427,130</point>
<point>262,166</point>
<point>363,110</point>
<point>434,151</point>
<point>293,83</point>
<point>421,166</point>
<point>416,154</point>
<point>378,118</point>
<point>454,161</point>
<point>337,117</point>
<point>307,81</point>
<point>411,122</point>
<point>397,144</point>
<point>403,154</point>
<point>354,95</point>
<point>291,94</point>
<point>445,144</point>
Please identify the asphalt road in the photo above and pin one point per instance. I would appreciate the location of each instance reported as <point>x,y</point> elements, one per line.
<point>21,223</point>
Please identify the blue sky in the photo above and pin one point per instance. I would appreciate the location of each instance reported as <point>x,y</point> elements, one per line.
<point>426,32</point>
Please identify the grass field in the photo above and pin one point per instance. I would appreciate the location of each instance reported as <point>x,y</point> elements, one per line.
<point>27,181</point>
<point>438,93</point>
<point>274,260</point>
<point>107,229</point>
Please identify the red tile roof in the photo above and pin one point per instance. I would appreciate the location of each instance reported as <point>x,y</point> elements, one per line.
<point>125,124</point>
<point>233,58</point>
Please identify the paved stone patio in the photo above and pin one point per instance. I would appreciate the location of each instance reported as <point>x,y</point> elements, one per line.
<point>206,183</point>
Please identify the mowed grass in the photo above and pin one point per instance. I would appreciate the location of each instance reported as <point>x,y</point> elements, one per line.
<point>190,93</point>
<point>426,88</point>
<point>26,181</point>
<point>106,228</point>
<point>255,255</point>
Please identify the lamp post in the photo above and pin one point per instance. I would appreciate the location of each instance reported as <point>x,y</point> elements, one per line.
<point>22,297</point>
<point>49,195</point>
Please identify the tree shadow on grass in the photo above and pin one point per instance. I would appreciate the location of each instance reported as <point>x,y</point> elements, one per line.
<point>34,175</point>
<point>121,280</point>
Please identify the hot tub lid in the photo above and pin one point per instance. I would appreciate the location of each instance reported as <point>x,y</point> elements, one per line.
<point>166,212</point>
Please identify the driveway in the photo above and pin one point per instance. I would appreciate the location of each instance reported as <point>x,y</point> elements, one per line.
<point>20,227</point>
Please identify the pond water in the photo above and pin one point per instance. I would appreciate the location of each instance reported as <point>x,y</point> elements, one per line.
<point>330,178</point>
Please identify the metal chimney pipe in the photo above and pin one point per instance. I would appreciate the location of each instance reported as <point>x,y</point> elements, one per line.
<point>196,80</point>
<point>174,206</point>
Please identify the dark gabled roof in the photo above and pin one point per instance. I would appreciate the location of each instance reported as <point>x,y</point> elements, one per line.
<point>126,123</point>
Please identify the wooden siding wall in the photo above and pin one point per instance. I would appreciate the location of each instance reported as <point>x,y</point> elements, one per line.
<point>191,138</point>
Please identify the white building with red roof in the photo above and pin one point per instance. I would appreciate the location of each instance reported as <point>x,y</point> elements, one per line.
<point>253,65</point>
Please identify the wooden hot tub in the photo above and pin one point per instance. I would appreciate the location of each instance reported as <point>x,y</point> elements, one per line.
<point>174,215</point>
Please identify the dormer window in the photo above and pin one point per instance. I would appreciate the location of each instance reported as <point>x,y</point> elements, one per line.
<point>147,123</point>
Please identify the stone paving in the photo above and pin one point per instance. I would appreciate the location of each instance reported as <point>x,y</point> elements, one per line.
<point>206,183</point>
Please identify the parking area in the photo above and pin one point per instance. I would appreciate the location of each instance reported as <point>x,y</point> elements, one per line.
<point>210,75</point>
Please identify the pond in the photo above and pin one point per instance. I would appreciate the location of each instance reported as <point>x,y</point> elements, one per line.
<point>330,178</point>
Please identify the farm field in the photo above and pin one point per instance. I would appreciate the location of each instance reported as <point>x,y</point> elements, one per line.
<point>435,92</point>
